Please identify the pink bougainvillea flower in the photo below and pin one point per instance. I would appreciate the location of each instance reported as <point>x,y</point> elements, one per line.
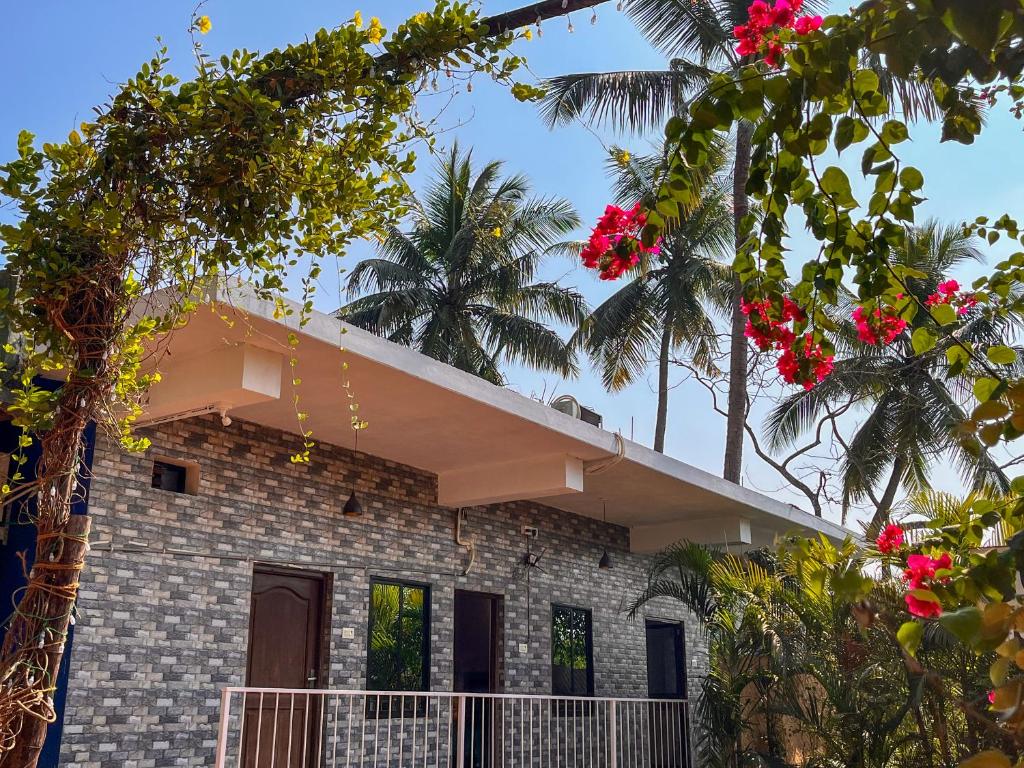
<point>890,539</point>
<point>807,24</point>
<point>760,35</point>
<point>925,609</point>
<point>948,292</point>
<point>805,364</point>
<point>920,568</point>
<point>879,327</point>
<point>614,245</point>
<point>991,697</point>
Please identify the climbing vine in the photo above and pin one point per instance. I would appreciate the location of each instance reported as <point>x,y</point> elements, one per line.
<point>259,165</point>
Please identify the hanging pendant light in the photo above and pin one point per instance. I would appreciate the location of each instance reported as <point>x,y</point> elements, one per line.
<point>605,563</point>
<point>352,507</point>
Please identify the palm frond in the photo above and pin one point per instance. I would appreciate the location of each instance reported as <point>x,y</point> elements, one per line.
<point>636,101</point>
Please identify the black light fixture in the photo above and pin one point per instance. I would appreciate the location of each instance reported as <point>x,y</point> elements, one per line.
<point>352,507</point>
<point>605,563</point>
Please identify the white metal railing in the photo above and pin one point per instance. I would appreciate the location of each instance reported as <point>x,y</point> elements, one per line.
<point>299,728</point>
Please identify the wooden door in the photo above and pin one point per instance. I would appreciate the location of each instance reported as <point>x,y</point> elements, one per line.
<point>285,639</point>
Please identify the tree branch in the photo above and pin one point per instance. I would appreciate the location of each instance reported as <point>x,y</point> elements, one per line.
<point>530,14</point>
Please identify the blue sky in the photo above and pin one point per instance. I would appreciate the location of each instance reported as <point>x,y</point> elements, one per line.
<point>61,59</point>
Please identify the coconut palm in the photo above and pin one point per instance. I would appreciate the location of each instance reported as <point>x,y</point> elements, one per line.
<point>460,286</point>
<point>667,306</point>
<point>912,409</point>
<point>698,39</point>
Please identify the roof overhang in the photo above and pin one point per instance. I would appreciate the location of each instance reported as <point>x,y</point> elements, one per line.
<point>485,443</point>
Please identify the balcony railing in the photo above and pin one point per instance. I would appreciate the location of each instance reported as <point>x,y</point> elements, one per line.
<point>298,728</point>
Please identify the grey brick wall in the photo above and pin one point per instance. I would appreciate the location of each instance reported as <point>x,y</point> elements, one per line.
<point>163,626</point>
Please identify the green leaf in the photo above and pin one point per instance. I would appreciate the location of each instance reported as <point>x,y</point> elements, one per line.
<point>909,636</point>
<point>944,314</point>
<point>865,82</point>
<point>990,758</point>
<point>964,623</point>
<point>894,132</point>
<point>1001,355</point>
<point>911,178</point>
<point>984,388</point>
<point>923,340</point>
<point>836,184</point>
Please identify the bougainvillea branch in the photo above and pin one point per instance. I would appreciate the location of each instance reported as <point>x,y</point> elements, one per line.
<point>813,94</point>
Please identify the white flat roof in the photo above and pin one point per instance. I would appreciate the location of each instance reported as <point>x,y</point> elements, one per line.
<point>431,416</point>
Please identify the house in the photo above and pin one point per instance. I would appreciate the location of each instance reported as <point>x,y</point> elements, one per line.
<point>455,555</point>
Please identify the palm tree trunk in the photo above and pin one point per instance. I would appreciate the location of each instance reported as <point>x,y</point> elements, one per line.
<point>737,409</point>
<point>881,515</point>
<point>659,427</point>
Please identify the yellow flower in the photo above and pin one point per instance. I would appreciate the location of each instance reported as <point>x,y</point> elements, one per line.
<point>528,34</point>
<point>623,157</point>
<point>420,18</point>
<point>496,231</point>
<point>357,19</point>
<point>376,32</point>
<point>203,24</point>
<point>385,178</point>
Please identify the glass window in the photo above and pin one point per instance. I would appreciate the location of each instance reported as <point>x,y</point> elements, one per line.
<point>572,652</point>
<point>399,645</point>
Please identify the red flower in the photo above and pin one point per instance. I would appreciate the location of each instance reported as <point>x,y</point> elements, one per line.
<point>614,245</point>
<point>805,364</point>
<point>890,539</point>
<point>991,697</point>
<point>878,327</point>
<point>807,24</point>
<point>926,609</point>
<point>948,292</point>
<point>760,34</point>
<point>919,569</point>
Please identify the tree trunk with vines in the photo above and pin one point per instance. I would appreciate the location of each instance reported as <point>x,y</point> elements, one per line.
<point>34,644</point>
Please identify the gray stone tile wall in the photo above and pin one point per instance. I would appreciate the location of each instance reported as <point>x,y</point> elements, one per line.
<point>163,619</point>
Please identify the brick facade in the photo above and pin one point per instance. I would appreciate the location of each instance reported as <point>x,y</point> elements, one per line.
<point>164,611</point>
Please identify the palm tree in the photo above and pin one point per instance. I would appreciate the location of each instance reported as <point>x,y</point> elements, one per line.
<point>460,286</point>
<point>666,306</point>
<point>912,407</point>
<point>698,39</point>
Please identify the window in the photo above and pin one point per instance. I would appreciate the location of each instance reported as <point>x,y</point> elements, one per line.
<point>399,646</point>
<point>572,652</point>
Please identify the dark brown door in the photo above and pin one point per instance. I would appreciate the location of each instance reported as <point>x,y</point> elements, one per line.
<point>476,670</point>
<point>285,638</point>
<point>666,680</point>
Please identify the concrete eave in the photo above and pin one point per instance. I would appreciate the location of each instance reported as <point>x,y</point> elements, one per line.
<point>470,433</point>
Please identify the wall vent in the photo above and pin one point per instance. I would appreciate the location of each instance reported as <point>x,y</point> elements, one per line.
<point>175,475</point>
